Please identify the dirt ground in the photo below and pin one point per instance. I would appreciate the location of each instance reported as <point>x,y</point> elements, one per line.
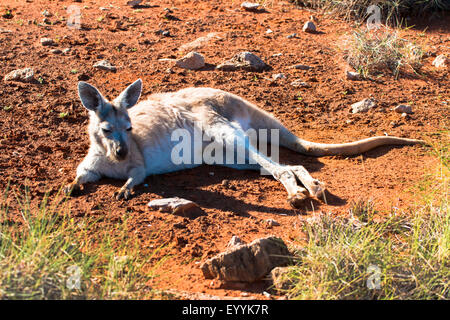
<point>43,124</point>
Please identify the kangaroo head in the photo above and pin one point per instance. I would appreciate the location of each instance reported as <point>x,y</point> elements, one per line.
<point>109,123</point>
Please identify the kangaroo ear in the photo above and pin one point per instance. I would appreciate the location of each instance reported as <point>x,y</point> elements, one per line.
<point>90,97</point>
<point>130,96</point>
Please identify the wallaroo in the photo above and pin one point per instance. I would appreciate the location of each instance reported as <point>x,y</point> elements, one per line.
<point>131,141</point>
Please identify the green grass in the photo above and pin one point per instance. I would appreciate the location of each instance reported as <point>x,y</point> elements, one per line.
<point>402,255</point>
<point>44,253</point>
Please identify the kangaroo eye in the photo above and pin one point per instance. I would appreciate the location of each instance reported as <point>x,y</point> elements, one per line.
<point>106,130</point>
<point>129,129</point>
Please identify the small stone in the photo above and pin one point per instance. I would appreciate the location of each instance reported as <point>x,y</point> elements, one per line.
<point>278,76</point>
<point>441,61</point>
<point>402,108</point>
<point>46,41</point>
<point>404,115</point>
<point>300,83</point>
<point>104,65</point>
<point>56,51</point>
<point>353,75</point>
<point>23,75</point>
<point>250,6</point>
<point>244,60</point>
<point>300,67</point>
<point>275,55</point>
<point>272,223</point>
<point>269,31</point>
<point>5,30</point>
<point>293,35</point>
<point>45,13</point>
<point>66,50</point>
<point>134,3</point>
<point>309,27</point>
<point>191,61</point>
<point>248,262</point>
<point>177,206</point>
<point>363,105</point>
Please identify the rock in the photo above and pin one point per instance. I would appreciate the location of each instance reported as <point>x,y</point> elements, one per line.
<point>292,36</point>
<point>45,13</point>
<point>104,65</point>
<point>177,206</point>
<point>199,42</point>
<point>300,67</point>
<point>24,75</point>
<point>47,41</point>
<point>272,223</point>
<point>244,60</point>
<point>250,6</point>
<point>134,3</point>
<point>363,105</point>
<point>269,31</point>
<point>402,108</point>
<point>249,262</point>
<point>353,75</point>
<point>309,27</point>
<point>278,76</point>
<point>66,50</point>
<point>56,51</point>
<point>300,83</point>
<point>5,30</point>
<point>234,242</point>
<point>441,61</point>
<point>191,61</point>
<point>280,279</point>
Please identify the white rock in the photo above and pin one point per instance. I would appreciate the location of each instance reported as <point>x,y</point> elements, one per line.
<point>104,65</point>
<point>363,105</point>
<point>269,31</point>
<point>278,76</point>
<point>245,60</point>
<point>309,27</point>
<point>173,205</point>
<point>250,6</point>
<point>353,75</point>
<point>46,41</point>
<point>271,223</point>
<point>441,61</point>
<point>402,108</point>
<point>24,75</point>
<point>192,61</point>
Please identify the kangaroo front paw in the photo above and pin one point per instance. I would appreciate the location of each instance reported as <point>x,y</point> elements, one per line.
<point>123,193</point>
<point>317,189</point>
<point>71,188</point>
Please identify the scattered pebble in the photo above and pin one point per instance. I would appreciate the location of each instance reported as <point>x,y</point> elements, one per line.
<point>24,75</point>
<point>300,67</point>
<point>234,242</point>
<point>363,105</point>
<point>300,83</point>
<point>309,27</point>
<point>269,31</point>
<point>250,6</point>
<point>45,13</point>
<point>192,61</point>
<point>178,206</point>
<point>244,60</point>
<point>293,35</point>
<point>104,65</point>
<point>402,108</point>
<point>278,76</point>
<point>47,41</point>
<point>134,3</point>
<point>56,51</point>
<point>441,61</point>
<point>353,75</point>
<point>272,223</point>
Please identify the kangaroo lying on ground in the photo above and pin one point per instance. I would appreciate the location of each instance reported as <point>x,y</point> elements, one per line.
<point>133,143</point>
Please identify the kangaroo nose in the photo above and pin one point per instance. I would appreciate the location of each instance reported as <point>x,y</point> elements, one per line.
<point>121,152</point>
